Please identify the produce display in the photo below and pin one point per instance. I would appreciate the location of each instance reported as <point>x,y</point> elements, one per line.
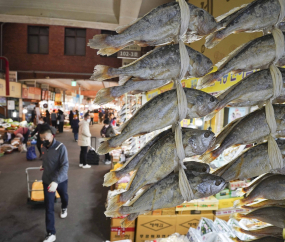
<point>160,179</point>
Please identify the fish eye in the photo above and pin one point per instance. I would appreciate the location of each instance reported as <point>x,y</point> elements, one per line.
<point>200,13</point>
<point>207,134</point>
<point>212,99</point>
<point>204,169</point>
<point>191,141</point>
<point>218,182</point>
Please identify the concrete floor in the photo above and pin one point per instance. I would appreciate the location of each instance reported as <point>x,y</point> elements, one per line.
<point>20,222</point>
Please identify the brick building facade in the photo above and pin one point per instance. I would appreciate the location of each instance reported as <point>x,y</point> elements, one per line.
<point>15,48</point>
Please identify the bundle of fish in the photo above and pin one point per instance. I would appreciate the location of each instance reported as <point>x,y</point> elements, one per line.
<point>160,112</point>
<point>253,90</point>
<point>259,15</point>
<point>156,160</point>
<point>162,63</point>
<point>158,27</point>
<point>256,54</point>
<point>166,193</point>
<point>252,128</point>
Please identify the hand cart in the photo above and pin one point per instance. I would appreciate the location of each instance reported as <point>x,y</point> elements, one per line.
<point>36,189</point>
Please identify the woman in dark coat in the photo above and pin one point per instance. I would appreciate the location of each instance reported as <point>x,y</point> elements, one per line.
<point>48,117</point>
<point>75,127</point>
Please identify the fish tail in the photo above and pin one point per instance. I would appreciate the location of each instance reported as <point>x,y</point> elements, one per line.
<point>241,202</point>
<point>110,178</point>
<point>105,148</point>
<point>126,222</point>
<point>113,214</point>
<point>104,96</point>
<point>124,79</point>
<point>107,44</point>
<point>236,239</point>
<point>102,73</point>
<point>206,81</point>
<point>210,116</point>
<point>115,202</point>
<point>213,39</point>
<point>209,157</point>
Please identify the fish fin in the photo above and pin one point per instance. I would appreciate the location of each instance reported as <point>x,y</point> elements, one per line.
<point>121,128</point>
<point>206,81</point>
<point>112,50</point>
<point>105,148</point>
<point>131,180</point>
<point>138,195</point>
<point>210,116</point>
<point>115,202</point>
<point>225,60</point>
<point>124,79</point>
<point>113,214</point>
<point>103,96</point>
<point>213,39</point>
<point>209,157</point>
<point>142,43</point>
<point>238,216</point>
<point>101,73</point>
<point>223,16</point>
<point>122,28</point>
<point>127,221</point>
<point>110,179</point>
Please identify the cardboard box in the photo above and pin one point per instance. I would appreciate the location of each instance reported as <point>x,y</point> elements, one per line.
<point>184,222</point>
<point>208,203</point>
<point>228,203</point>
<point>119,233</point>
<point>184,212</point>
<point>150,227</point>
<point>168,212</point>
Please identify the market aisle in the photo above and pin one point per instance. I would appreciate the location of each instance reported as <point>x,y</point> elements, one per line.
<point>86,220</point>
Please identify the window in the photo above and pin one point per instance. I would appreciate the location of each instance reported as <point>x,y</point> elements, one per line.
<point>75,41</point>
<point>38,41</point>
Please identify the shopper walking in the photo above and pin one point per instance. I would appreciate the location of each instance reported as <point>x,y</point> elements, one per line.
<point>75,127</point>
<point>84,140</point>
<point>91,117</point>
<point>71,114</point>
<point>101,114</point>
<point>107,131</point>
<point>53,119</point>
<point>55,178</point>
<point>61,121</point>
<point>37,131</point>
<point>33,119</point>
<point>48,117</point>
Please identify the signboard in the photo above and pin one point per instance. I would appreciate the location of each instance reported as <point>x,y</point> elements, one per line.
<point>11,105</point>
<point>45,87</point>
<point>12,76</point>
<point>57,103</point>
<point>130,52</point>
<point>31,93</point>
<point>25,92</point>
<point>3,101</point>
<point>2,88</point>
<point>45,105</point>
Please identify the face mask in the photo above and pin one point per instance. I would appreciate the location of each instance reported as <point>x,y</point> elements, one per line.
<point>41,122</point>
<point>46,143</point>
<point>88,120</point>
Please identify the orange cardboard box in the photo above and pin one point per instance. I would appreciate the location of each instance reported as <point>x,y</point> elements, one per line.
<point>119,233</point>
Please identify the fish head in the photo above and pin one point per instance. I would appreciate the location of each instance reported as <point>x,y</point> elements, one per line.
<point>210,185</point>
<point>205,22</point>
<point>197,167</point>
<point>205,103</point>
<point>201,65</point>
<point>198,141</point>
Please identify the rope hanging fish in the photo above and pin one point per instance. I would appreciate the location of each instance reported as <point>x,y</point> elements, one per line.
<point>184,185</point>
<point>274,152</point>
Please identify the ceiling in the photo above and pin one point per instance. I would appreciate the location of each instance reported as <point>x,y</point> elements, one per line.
<point>98,14</point>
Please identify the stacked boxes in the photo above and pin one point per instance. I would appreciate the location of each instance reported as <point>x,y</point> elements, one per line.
<point>119,233</point>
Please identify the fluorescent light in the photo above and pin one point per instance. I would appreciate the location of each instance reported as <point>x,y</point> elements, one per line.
<point>198,122</point>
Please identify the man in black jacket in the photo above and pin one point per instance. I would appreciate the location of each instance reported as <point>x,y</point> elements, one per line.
<point>55,178</point>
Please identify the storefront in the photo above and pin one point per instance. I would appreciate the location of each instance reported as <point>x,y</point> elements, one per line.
<point>10,106</point>
<point>31,98</point>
